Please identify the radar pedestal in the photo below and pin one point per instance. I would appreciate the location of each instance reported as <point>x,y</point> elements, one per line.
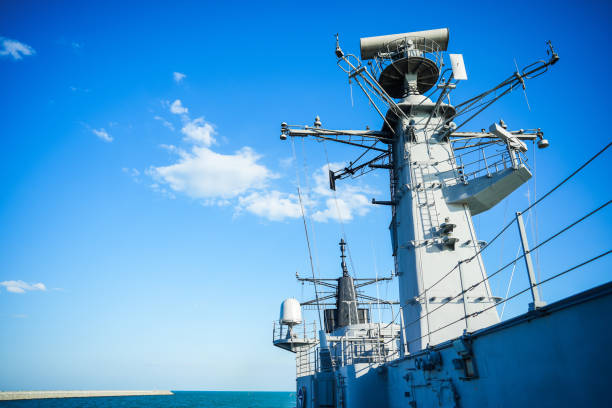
<point>285,335</point>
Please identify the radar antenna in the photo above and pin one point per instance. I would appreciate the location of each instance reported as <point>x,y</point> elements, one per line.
<point>413,64</point>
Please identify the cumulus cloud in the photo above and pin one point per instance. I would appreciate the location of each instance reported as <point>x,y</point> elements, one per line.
<point>199,131</point>
<point>203,173</point>
<point>102,134</point>
<point>20,286</point>
<point>343,204</point>
<point>321,203</point>
<point>14,48</point>
<point>273,205</point>
<point>178,76</point>
<point>177,108</point>
<point>342,209</point>
<point>240,179</point>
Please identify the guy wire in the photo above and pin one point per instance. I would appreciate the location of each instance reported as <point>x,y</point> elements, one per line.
<point>314,280</point>
<point>348,247</point>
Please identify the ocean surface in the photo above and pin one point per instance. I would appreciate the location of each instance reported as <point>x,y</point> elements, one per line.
<point>180,399</point>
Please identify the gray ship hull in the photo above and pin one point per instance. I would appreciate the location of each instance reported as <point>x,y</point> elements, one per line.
<point>556,356</point>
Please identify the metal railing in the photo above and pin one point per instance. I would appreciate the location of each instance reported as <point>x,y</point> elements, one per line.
<point>375,350</point>
<point>483,159</point>
<point>524,256</point>
<point>410,46</point>
<point>306,361</point>
<point>377,345</point>
<point>304,330</point>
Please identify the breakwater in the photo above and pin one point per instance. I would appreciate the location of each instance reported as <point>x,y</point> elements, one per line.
<point>26,395</point>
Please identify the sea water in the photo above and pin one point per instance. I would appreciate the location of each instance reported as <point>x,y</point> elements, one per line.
<point>180,399</point>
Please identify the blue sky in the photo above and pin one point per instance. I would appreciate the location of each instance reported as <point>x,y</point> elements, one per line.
<point>149,222</point>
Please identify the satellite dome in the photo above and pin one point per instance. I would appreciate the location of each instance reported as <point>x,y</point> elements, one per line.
<point>290,312</point>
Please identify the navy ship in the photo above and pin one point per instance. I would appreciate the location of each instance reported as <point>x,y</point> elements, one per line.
<point>446,346</point>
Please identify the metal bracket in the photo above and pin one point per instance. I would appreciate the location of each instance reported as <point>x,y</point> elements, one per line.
<point>374,201</point>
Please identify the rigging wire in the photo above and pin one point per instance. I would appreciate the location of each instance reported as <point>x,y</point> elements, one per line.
<point>394,317</point>
<point>518,251</point>
<point>511,262</point>
<point>377,291</point>
<point>535,203</point>
<point>502,243</point>
<point>314,281</point>
<point>312,227</point>
<point>534,224</point>
<point>568,177</point>
<point>376,272</point>
<point>516,294</point>
<point>348,247</point>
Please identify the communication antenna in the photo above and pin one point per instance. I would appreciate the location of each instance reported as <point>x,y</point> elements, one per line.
<point>458,67</point>
<point>406,65</point>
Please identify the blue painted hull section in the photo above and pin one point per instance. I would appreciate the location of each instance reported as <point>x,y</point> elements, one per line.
<point>557,356</point>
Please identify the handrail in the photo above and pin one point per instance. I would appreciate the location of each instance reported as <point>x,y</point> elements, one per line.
<point>468,289</point>
<point>379,346</point>
<point>505,228</point>
<point>474,314</point>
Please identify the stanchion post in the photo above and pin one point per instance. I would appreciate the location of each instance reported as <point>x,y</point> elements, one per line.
<point>535,293</point>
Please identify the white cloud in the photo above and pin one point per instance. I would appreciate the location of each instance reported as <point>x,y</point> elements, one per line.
<point>164,122</point>
<point>161,190</point>
<point>14,48</point>
<point>102,134</point>
<point>273,205</point>
<point>76,45</point>
<point>21,286</point>
<point>242,181</point>
<point>203,173</point>
<point>321,203</point>
<point>177,108</point>
<point>343,204</point>
<point>344,210</point>
<point>171,148</point>
<point>200,131</point>
<point>178,76</point>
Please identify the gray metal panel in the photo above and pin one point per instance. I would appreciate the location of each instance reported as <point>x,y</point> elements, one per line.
<point>547,358</point>
<point>458,66</point>
<point>371,45</point>
<point>484,192</point>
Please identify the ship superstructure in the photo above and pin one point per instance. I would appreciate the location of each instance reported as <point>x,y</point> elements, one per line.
<point>448,348</point>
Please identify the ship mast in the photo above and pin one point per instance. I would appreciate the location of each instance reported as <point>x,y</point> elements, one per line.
<point>433,199</point>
